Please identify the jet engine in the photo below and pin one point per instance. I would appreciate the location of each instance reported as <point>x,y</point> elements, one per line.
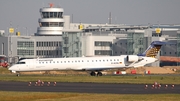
<point>133,58</point>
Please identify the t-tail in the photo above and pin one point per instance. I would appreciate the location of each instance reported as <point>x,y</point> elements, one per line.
<point>153,49</point>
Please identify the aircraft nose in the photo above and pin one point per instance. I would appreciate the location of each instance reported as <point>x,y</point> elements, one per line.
<point>11,68</point>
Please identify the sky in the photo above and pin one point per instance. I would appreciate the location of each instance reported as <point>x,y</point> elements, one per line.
<point>23,15</point>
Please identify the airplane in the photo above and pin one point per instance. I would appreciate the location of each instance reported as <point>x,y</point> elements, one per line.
<point>93,64</point>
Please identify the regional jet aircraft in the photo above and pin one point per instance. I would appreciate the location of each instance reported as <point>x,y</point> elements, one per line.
<point>93,64</point>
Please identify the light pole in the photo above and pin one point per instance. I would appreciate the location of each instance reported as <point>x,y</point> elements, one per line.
<point>25,30</point>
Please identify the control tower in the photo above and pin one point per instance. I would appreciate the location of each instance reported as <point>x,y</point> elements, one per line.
<point>51,22</point>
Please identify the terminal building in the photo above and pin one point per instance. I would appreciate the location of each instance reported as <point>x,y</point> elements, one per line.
<point>57,37</point>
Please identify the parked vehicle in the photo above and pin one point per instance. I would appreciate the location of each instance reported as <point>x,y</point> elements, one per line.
<point>3,61</point>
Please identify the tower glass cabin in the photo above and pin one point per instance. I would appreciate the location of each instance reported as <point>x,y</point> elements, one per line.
<point>51,22</point>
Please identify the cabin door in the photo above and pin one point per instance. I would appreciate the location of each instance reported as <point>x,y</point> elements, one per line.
<point>31,65</point>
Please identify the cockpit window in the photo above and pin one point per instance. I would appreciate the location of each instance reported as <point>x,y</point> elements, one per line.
<point>21,63</point>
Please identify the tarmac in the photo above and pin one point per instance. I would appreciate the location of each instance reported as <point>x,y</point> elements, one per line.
<point>100,88</point>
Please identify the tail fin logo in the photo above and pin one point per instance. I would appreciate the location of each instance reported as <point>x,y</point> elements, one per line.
<point>153,49</point>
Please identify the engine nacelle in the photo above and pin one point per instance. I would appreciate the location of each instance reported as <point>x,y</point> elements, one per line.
<point>132,58</point>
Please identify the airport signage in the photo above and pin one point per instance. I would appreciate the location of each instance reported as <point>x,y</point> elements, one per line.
<point>11,30</point>
<point>158,30</point>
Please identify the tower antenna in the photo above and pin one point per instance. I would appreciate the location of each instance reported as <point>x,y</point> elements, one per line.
<point>109,18</point>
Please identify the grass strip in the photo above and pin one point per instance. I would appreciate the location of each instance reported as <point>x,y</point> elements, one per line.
<point>133,79</point>
<point>43,96</point>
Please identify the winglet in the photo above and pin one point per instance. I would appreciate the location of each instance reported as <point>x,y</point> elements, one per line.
<point>153,49</point>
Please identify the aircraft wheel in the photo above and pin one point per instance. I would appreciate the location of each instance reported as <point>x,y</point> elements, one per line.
<point>92,73</point>
<point>99,74</point>
<point>17,74</point>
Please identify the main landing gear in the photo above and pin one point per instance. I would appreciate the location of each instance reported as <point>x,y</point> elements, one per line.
<point>18,74</point>
<point>93,73</point>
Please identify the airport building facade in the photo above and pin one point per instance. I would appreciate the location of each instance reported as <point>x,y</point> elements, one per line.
<point>57,37</point>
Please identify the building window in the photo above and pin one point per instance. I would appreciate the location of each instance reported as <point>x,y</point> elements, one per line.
<point>25,48</point>
<point>101,43</point>
<point>103,52</point>
<point>37,44</point>
<point>66,49</point>
<point>44,24</point>
<point>77,45</point>
<point>66,40</point>
<point>2,48</point>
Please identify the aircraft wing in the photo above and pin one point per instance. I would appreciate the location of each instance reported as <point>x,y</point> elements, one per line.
<point>98,68</point>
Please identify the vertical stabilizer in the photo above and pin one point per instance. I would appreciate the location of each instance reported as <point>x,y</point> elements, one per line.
<point>153,49</point>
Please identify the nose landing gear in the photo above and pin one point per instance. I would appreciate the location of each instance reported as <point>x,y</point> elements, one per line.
<point>17,74</point>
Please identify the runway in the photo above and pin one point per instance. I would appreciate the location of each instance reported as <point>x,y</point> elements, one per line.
<point>88,88</point>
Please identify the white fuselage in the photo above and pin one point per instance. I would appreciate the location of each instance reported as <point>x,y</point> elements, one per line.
<point>78,63</point>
